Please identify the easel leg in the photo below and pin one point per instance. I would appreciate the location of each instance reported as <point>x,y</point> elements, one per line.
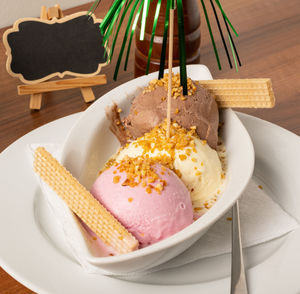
<point>61,15</point>
<point>53,12</point>
<point>35,101</point>
<point>88,94</point>
<point>44,13</point>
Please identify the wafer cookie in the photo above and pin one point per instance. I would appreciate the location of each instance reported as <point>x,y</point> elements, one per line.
<point>243,93</point>
<point>82,203</point>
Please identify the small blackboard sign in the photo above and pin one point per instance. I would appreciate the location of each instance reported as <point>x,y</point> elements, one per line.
<point>39,49</point>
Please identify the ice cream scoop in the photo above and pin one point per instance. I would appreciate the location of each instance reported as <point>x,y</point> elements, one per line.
<point>195,162</point>
<point>151,207</point>
<point>149,108</point>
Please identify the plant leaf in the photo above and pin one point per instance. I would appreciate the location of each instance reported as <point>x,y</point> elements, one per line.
<point>235,63</point>
<point>153,33</point>
<point>182,53</point>
<point>164,44</point>
<point>132,31</point>
<point>144,17</point>
<point>123,44</point>
<point>227,19</point>
<point>118,29</point>
<point>211,35</point>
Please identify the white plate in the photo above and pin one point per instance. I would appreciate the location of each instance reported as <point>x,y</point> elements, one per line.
<point>32,250</point>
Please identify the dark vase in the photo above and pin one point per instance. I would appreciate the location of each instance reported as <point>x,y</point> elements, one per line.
<point>192,37</point>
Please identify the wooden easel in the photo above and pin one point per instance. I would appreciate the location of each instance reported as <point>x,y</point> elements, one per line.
<point>36,90</point>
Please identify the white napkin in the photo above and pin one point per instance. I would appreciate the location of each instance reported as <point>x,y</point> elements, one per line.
<point>262,220</point>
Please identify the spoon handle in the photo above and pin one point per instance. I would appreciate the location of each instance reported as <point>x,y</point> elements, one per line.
<point>238,277</point>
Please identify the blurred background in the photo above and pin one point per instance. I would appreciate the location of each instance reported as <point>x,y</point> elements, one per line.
<point>11,10</point>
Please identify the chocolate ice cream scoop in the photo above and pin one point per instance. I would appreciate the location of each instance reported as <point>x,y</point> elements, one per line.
<point>199,110</point>
<point>116,126</point>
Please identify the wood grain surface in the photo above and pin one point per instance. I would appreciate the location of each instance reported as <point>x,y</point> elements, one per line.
<point>269,47</point>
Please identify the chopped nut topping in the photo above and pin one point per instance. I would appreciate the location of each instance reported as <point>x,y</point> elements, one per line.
<point>116,179</point>
<point>151,180</point>
<point>188,152</point>
<point>176,87</point>
<point>182,157</point>
<point>140,170</point>
<point>158,188</point>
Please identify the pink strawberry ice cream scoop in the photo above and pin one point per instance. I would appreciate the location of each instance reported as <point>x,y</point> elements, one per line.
<point>150,215</point>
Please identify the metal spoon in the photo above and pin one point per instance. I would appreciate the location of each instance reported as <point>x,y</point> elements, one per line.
<point>238,277</point>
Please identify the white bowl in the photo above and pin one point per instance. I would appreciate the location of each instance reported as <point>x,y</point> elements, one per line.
<point>90,143</point>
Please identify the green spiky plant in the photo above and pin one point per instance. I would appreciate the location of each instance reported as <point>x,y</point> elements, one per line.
<point>113,20</point>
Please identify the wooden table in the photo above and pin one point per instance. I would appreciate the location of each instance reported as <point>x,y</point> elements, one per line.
<point>269,46</point>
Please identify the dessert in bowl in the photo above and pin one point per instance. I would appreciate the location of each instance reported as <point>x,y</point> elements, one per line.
<point>89,146</point>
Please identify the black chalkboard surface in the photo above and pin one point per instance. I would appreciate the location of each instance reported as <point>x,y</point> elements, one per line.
<point>38,49</point>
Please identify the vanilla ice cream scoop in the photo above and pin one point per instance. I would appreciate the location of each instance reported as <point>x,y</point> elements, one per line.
<point>194,161</point>
<point>201,170</point>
